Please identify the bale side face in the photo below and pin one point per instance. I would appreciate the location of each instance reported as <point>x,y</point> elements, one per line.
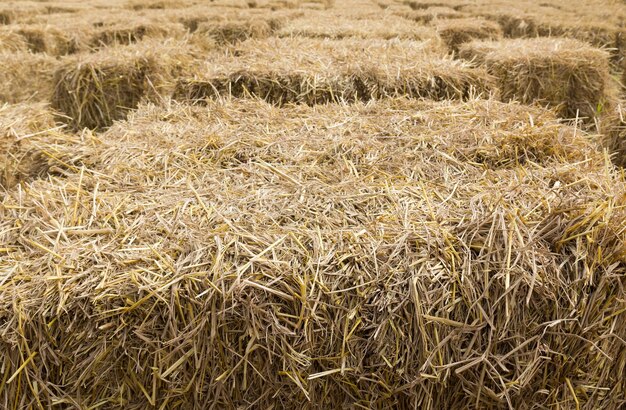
<point>95,90</point>
<point>95,95</point>
<point>315,71</point>
<point>231,32</point>
<point>26,76</point>
<point>456,32</point>
<point>563,73</point>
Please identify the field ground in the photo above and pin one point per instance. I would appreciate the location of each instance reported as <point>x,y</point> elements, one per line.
<point>318,204</point>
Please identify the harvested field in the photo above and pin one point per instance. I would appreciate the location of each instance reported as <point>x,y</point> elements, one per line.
<point>430,14</point>
<point>278,204</point>
<point>310,71</point>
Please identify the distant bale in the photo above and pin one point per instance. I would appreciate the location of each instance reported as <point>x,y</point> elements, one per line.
<point>423,5</point>
<point>6,17</point>
<point>42,38</point>
<point>564,73</point>
<point>155,5</point>
<point>95,90</point>
<point>26,76</point>
<point>130,33</point>
<point>234,31</point>
<point>455,32</point>
<point>311,71</point>
<point>432,13</point>
<point>383,27</point>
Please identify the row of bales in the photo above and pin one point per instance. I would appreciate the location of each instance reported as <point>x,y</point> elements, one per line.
<point>264,204</point>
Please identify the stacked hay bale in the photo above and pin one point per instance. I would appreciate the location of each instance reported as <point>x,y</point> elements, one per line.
<point>41,38</point>
<point>396,254</point>
<point>424,5</point>
<point>563,73</point>
<point>338,27</point>
<point>430,14</point>
<point>234,31</point>
<point>312,71</point>
<point>131,32</point>
<point>6,17</point>
<point>33,144</point>
<point>26,76</point>
<point>95,90</point>
<point>455,32</point>
<point>11,41</point>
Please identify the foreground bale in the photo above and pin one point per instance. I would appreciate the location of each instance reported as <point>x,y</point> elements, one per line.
<point>26,76</point>
<point>33,144</point>
<point>396,254</point>
<point>455,32</point>
<point>309,71</point>
<point>564,73</point>
<point>95,90</point>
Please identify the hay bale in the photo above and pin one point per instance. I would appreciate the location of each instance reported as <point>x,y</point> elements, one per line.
<point>455,32</point>
<point>320,25</point>
<point>11,41</point>
<point>612,127</point>
<point>46,39</point>
<point>33,145</point>
<point>431,14</point>
<point>231,32</point>
<point>563,73</point>
<point>309,71</point>
<point>6,17</point>
<point>424,5</point>
<point>515,20</point>
<point>365,256</point>
<point>26,76</point>
<point>95,90</point>
<point>127,33</point>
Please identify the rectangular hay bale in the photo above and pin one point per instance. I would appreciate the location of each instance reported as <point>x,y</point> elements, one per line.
<point>313,71</point>
<point>426,255</point>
